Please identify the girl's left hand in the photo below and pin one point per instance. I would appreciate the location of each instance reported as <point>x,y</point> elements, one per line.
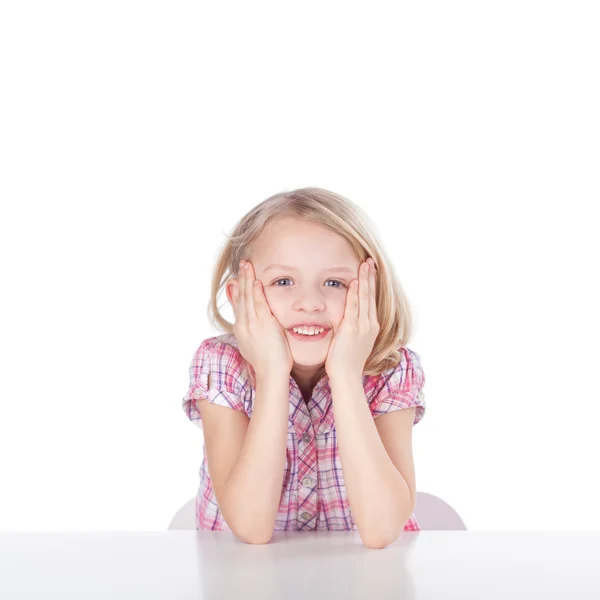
<point>355,337</point>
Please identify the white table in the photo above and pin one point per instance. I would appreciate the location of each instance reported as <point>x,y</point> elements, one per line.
<point>207,565</point>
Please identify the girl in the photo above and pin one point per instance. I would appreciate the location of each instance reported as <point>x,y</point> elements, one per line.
<point>307,402</point>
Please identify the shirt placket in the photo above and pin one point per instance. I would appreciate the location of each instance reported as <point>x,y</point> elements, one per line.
<point>307,473</point>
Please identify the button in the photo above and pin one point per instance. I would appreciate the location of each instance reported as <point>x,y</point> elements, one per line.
<point>198,393</point>
<point>305,516</point>
<point>308,482</point>
<point>306,437</point>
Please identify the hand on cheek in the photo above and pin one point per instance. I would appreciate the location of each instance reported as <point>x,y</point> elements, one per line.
<point>353,341</point>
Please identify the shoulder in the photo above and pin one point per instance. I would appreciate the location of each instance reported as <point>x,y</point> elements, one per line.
<point>398,387</point>
<point>406,373</point>
<point>218,366</point>
<point>220,349</point>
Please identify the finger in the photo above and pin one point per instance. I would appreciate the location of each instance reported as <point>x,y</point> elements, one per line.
<point>259,299</point>
<point>372,292</point>
<point>249,279</point>
<point>351,311</point>
<point>363,295</point>
<point>235,295</point>
<point>260,303</point>
<point>241,309</point>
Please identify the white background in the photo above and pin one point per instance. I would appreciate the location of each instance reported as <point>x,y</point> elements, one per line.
<point>133,136</point>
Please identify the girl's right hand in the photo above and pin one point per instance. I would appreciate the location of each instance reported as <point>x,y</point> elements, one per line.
<point>261,338</point>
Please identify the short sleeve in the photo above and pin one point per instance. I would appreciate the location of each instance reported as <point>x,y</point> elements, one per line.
<point>227,381</point>
<point>402,387</point>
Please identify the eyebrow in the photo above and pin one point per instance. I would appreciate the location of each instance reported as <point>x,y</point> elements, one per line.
<point>331,269</point>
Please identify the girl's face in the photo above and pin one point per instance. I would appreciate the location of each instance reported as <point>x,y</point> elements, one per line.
<point>305,270</point>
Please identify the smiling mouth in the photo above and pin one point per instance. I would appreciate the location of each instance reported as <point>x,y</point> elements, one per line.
<point>309,338</point>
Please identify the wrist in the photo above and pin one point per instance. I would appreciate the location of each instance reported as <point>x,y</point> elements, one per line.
<point>271,378</point>
<point>344,375</point>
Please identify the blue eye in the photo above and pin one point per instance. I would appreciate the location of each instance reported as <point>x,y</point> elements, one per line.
<point>288,279</point>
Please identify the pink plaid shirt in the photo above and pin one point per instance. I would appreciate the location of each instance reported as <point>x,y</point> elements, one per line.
<point>313,494</point>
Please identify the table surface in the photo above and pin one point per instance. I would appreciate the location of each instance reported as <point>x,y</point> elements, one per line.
<point>304,565</point>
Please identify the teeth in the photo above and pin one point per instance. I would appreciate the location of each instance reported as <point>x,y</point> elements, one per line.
<point>308,330</point>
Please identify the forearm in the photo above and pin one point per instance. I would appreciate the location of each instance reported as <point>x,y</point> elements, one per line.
<point>379,496</point>
<point>252,491</point>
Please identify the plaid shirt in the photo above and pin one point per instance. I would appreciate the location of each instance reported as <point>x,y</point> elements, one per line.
<point>313,493</point>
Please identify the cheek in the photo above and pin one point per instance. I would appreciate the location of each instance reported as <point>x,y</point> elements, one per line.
<point>336,310</point>
<point>273,301</point>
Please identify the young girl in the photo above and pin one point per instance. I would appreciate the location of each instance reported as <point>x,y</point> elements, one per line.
<point>308,400</point>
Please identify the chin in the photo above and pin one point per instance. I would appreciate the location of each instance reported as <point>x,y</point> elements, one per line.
<point>308,361</point>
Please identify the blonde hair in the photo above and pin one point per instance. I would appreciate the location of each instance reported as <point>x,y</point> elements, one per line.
<point>345,218</point>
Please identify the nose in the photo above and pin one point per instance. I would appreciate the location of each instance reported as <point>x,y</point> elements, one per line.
<point>308,301</point>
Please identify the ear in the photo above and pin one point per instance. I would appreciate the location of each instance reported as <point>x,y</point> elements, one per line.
<point>232,283</point>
